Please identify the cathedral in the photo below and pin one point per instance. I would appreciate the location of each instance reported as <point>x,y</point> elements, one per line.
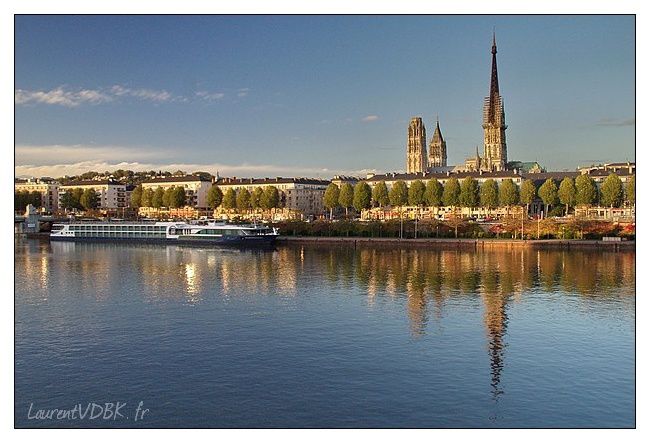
<point>417,160</point>
<point>495,154</point>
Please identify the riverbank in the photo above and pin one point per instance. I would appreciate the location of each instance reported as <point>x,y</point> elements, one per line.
<point>461,243</point>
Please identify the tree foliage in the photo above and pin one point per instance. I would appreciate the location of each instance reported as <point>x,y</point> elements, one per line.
<point>24,198</point>
<point>451,192</point>
<point>346,196</point>
<point>243,200</point>
<point>433,193</point>
<point>215,197</point>
<point>489,194</point>
<point>629,190</point>
<point>136,197</point>
<point>157,199</point>
<point>270,198</point>
<point>586,191</point>
<point>362,196</point>
<point>469,195</point>
<point>177,198</point>
<point>331,197</point>
<point>508,193</point>
<point>398,195</point>
<point>147,198</point>
<point>416,193</point>
<point>527,192</point>
<point>380,194</point>
<point>229,199</point>
<point>256,196</point>
<point>89,199</point>
<point>611,191</point>
<point>567,193</point>
<point>548,193</point>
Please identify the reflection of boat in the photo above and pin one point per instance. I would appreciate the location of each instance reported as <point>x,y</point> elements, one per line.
<point>203,232</point>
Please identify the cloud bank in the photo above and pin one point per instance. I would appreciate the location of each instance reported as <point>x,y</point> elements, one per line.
<point>60,160</point>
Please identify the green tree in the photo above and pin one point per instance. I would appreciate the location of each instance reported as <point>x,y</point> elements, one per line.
<point>229,199</point>
<point>215,196</point>
<point>346,196</point>
<point>433,193</point>
<point>611,191</point>
<point>243,201</point>
<point>331,198</point>
<point>586,191</point>
<point>362,196</point>
<point>36,199</point>
<point>157,199</point>
<point>270,198</point>
<point>508,193</point>
<point>147,198</point>
<point>548,193</point>
<point>89,199</point>
<point>398,195</point>
<point>489,194</point>
<point>468,192</point>
<point>256,195</point>
<point>527,193</point>
<point>136,197</point>
<point>380,194</point>
<point>567,193</point>
<point>416,193</point>
<point>76,194</point>
<point>451,192</point>
<point>167,197</point>
<point>177,199</point>
<point>629,190</point>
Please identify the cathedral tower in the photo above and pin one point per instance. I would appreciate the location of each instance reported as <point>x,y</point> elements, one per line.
<point>416,148</point>
<point>437,149</point>
<point>494,122</point>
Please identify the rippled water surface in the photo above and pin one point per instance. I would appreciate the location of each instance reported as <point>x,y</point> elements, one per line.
<point>325,337</point>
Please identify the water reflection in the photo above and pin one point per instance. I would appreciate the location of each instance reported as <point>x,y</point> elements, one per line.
<point>422,280</point>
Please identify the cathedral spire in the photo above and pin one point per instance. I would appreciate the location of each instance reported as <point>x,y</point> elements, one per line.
<point>494,82</point>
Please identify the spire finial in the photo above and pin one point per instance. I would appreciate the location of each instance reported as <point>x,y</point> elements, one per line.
<point>494,40</point>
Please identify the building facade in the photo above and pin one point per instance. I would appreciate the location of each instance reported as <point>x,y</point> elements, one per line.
<point>111,194</point>
<point>304,195</point>
<point>437,149</point>
<point>416,147</point>
<point>196,188</point>
<point>49,191</point>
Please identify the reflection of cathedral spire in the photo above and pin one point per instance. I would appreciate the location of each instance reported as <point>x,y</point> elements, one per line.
<point>496,320</point>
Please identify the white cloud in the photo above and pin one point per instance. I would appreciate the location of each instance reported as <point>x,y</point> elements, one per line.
<point>243,92</point>
<point>60,96</point>
<point>159,96</point>
<point>370,118</point>
<point>59,160</point>
<point>210,96</point>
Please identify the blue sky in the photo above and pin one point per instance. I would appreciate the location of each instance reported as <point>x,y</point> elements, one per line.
<point>314,95</point>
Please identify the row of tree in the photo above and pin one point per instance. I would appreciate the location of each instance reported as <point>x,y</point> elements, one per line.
<point>81,199</point>
<point>468,193</point>
<point>244,200</point>
<point>24,198</point>
<point>172,197</point>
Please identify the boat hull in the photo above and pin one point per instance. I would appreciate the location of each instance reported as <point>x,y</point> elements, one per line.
<point>266,240</point>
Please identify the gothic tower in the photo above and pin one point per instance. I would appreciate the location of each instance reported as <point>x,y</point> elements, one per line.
<point>437,149</point>
<point>416,148</point>
<point>494,122</point>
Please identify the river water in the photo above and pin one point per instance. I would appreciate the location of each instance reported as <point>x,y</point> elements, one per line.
<point>303,336</point>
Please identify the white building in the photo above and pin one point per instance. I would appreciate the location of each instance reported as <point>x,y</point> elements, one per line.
<point>196,189</point>
<point>111,194</point>
<point>49,191</point>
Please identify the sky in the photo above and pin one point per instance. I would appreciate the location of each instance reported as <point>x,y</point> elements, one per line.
<point>314,96</point>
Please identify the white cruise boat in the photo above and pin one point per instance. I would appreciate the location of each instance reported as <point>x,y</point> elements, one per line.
<point>165,232</point>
